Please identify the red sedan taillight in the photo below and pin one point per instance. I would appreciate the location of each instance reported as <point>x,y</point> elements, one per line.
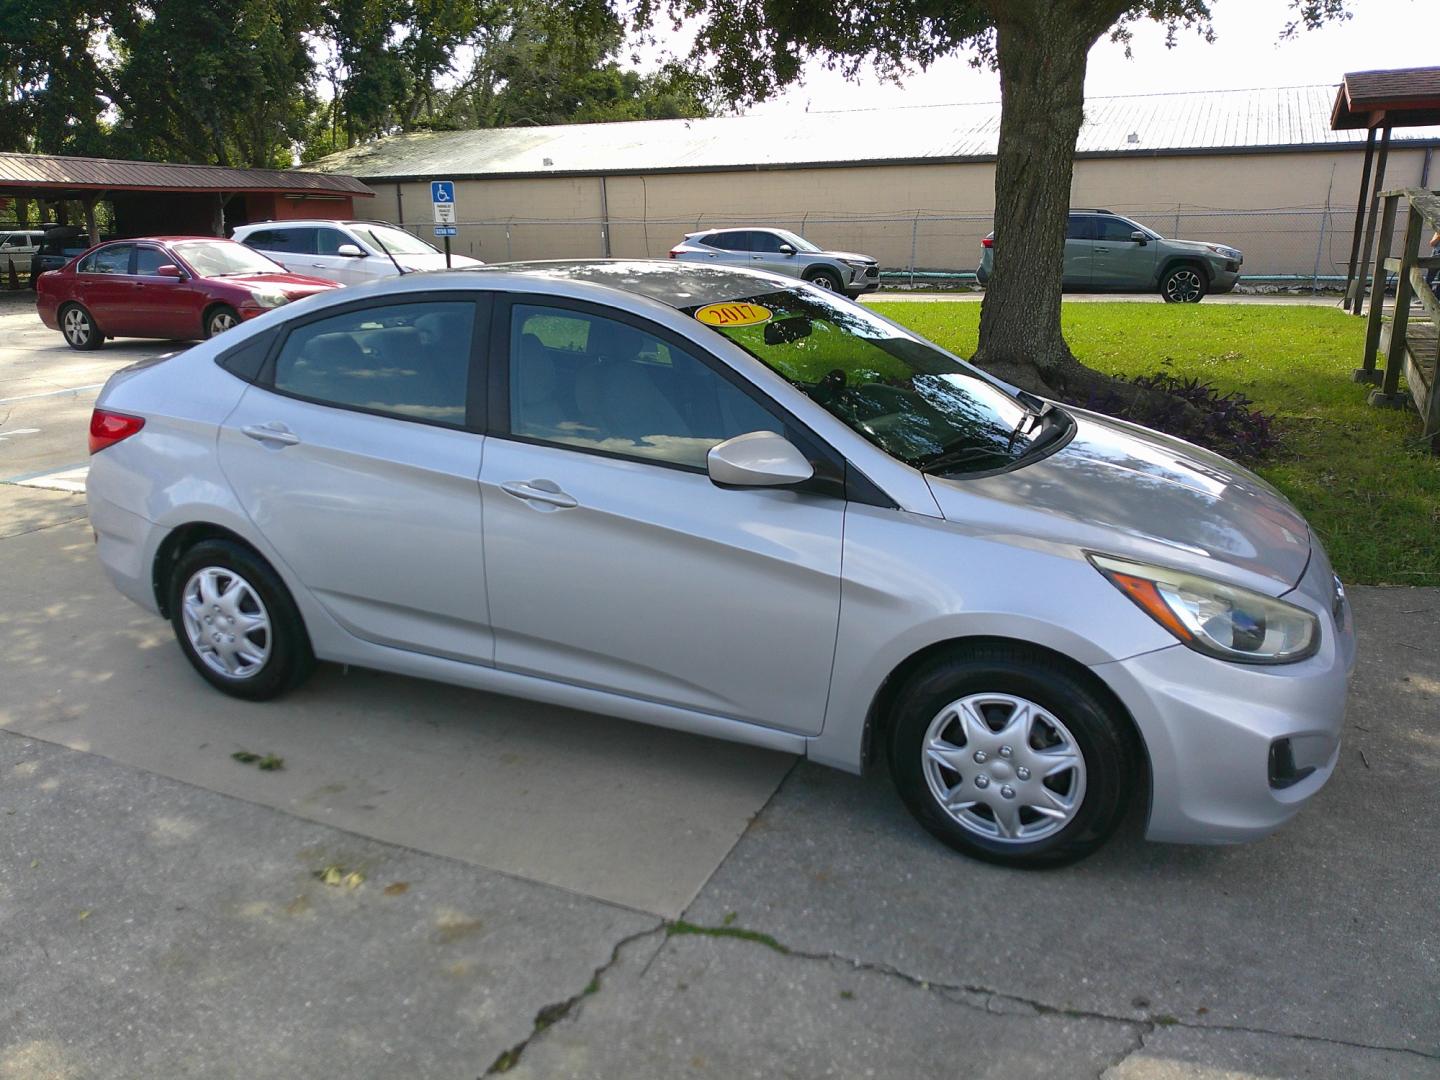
<point>674,253</point>
<point>107,428</point>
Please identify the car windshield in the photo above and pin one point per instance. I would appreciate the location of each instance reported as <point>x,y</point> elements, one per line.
<point>907,397</point>
<point>397,241</point>
<point>798,242</point>
<point>220,258</point>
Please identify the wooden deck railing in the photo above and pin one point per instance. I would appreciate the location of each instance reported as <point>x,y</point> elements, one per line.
<point>1410,346</point>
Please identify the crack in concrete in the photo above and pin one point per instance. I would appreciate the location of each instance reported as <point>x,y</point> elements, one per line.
<point>1128,1052</point>
<point>552,1014</point>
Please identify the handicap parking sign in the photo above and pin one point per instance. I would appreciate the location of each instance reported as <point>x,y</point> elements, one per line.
<point>442,191</point>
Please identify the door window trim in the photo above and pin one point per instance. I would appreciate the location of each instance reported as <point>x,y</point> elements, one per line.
<point>830,466</point>
<point>477,380</point>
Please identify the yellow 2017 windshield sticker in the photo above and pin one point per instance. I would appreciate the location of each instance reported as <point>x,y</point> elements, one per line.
<point>733,314</point>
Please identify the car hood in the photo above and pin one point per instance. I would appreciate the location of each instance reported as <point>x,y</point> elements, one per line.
<point>435,261</point>
<point>289,284</point>
<point>1200,247</point>
<point>847,255</point>
<point>1124,490</point>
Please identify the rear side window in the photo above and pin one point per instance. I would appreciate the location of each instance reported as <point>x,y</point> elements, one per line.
<point>1080,228</point>
<point>108,260</point>
<point>728,241</point>
<point>411,361</point>
<point>295,241</point>
<point>246,361</point>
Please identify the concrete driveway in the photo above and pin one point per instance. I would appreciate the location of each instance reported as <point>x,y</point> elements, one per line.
<point>443,883</point>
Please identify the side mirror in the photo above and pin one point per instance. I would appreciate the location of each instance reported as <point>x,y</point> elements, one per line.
<point>350,250</point>
<point>169,270</point>
<point>786,249</point>
<point>757,459</point>
<point>1139,238</point>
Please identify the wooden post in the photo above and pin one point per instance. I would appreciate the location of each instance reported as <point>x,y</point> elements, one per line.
<point>1360,216</point>
<point>1367,373</point>
<point>1389,392</point>
<point>90,225</point>
<point>1379,186</point>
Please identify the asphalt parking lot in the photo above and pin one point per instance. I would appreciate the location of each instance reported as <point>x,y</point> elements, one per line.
<point>444,883</point>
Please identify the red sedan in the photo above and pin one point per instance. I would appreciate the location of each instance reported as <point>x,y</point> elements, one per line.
<point>178,287</point>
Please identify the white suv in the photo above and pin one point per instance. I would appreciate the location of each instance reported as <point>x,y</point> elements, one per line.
<point>350,252</point>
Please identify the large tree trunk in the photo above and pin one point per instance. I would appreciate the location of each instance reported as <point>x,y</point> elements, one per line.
<point>1041,48</point>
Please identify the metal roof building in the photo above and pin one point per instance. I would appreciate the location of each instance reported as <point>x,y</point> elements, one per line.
<point>1261,169</point>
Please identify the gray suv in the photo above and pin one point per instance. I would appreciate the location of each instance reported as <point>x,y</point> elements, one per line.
<point>782,252</point>
<point>1105,252</point>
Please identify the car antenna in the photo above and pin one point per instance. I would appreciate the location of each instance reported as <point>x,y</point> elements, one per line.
<point>381,245</point>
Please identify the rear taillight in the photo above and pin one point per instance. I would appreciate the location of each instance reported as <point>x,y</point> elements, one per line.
<point>674,253</point>
<point>988,242</point>
<point>107,428</point>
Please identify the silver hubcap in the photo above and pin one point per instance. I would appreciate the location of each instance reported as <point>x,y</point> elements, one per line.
<point>1184,286</point>
<point>1004,768</point>
<point>226,622</point>
<point>824,282</point>
<point>77,326</point>
<point>220,322</point>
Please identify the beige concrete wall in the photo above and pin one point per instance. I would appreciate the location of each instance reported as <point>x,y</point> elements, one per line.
<point>1269,205</point>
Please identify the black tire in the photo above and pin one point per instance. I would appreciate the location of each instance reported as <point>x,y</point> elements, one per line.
<point>1184,284</point>
<point>220,318</point>
<point>79,328</point>
<point>1105,742</point>
<point>289,659</point>
<point>826,279</point>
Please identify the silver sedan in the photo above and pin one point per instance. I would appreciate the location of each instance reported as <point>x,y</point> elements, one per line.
<point>734,504</point>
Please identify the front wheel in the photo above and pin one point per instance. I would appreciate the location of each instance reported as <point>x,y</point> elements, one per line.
<point>78,328</point>
<point>236,622</point>
<point>826,279</point>
<point>1004,755</point>
<point>1183,285</point>
<point>219,319</point>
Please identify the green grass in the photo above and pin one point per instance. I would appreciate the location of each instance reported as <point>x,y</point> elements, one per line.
<point>1360,475</point>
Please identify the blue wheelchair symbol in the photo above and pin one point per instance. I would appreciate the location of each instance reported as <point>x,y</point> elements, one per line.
<point>442,191</point>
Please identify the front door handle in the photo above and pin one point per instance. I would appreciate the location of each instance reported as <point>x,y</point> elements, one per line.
<point>542,491</point>
<point>278,434</point>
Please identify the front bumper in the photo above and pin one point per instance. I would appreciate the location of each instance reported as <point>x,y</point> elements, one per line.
<point>1209,727</point>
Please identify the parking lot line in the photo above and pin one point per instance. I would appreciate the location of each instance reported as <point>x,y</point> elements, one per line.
<point>52,393</point>
<point>65,478</point>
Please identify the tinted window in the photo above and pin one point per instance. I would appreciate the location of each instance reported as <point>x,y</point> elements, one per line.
<point>108,260</point>
<point>149,259</point>
<point>1080,228</point>
<point>767,243</point>
<point>328,241</point>
<point>1109,228</point>
<point>410,360</point>
<point>590,382</point>
<point>729,241</point>
<point>301,241</point>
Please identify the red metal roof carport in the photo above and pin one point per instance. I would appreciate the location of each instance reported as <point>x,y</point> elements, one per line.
<point>196,198</point>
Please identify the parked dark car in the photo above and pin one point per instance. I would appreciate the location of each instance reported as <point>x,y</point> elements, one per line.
<point>178,287</point>
<point>59,245</point>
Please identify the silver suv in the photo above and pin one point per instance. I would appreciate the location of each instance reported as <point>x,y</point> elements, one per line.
<point>1107,252</point>
<point>782,252</point>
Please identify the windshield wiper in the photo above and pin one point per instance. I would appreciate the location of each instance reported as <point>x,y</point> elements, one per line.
<point>400,269</point>
<point>948,458</point>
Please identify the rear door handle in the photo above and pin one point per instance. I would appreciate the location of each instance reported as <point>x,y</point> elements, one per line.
<point>542,491</point>
<point>271,433</point>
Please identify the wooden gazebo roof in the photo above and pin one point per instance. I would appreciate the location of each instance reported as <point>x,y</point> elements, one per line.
<point>1402,97</point>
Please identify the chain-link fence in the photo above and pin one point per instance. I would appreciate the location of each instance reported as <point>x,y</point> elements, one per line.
<point>1301,247</point>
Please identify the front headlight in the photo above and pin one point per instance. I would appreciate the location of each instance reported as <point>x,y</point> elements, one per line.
<point>859,264</point>
<point>271,299</point>
<point>1224,252</point>
<point>1220,620</point>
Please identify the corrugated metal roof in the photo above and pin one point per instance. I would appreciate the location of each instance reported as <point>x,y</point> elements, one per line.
<point>1405,97</point>
<point>1297,116</point>
<point>113,173</point>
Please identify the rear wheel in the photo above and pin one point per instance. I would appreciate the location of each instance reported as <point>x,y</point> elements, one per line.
<point>236,622</point>
<point>219,319</point>
<point>826,279</point>
<point>1003,754</point>
<point>79,329</point>
<point>1183,284</point>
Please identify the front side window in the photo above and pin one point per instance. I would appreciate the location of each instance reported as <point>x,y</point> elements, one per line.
<point>595,383</point>
<point>408,360</point>
<point>1116,229</point>
<point>149,259</point>
<point>328,241</point>
<point>907,397</point>
<point>114,259</point>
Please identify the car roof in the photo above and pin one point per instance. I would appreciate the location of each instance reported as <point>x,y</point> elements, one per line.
<point>674,283</point>
<point>311,222</point>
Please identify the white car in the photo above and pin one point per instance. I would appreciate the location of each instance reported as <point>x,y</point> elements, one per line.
<point>350,252</point>
<point>736,504</point>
